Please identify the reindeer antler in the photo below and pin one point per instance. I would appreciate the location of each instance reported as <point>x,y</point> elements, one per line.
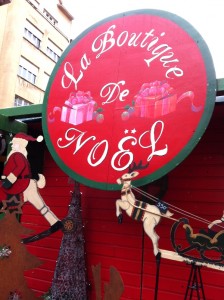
<point>133,166</point>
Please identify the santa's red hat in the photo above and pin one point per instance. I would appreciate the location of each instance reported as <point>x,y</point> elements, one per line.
<point>27,137</point>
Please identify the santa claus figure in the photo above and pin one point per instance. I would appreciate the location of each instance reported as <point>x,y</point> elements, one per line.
<point>17,178</point>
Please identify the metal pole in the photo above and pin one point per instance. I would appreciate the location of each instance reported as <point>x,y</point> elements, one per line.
<point>158,259</point>
<point>195,283</point>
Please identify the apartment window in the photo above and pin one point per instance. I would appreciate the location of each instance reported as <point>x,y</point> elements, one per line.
<point>27,70</point>
<point>20,101</point>
<point>50,17</point>
<point>53,51</point>
<point>32,34</point>
<point>46,79</point>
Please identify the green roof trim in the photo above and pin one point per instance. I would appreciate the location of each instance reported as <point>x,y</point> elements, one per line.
<point>10,125</point>
<point>21,112</point>
<point>10,117</point>
<point>220,84</point>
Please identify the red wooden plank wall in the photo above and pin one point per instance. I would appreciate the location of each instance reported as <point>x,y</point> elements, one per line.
<point>57,195</point>
<point>196,185</point>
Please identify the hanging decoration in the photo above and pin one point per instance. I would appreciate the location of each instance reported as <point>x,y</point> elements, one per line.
<point>5,251</point>
<point>127,89</point>
<point>13,204</point>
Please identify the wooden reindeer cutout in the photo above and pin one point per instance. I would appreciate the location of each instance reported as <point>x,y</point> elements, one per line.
<point>149,214</point>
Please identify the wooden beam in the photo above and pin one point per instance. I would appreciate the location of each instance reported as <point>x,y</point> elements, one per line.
<point>175,256</point>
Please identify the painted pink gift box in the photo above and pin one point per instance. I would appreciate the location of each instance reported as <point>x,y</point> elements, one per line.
<point>78,108</point>
<point>155,99</point>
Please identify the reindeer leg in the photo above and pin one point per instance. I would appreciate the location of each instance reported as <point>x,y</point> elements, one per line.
<point>120,218</point>
<point>119,206</point>
<point>118,211</point>
<point>149,226</point>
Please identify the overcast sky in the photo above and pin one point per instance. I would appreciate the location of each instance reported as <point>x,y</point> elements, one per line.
<point>205,15</point>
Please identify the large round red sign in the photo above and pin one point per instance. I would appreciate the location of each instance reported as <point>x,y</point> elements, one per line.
<point>135,87</point>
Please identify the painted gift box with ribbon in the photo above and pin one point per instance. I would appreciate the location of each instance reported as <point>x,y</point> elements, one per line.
<point>78,108</point>
<point>155,99</point>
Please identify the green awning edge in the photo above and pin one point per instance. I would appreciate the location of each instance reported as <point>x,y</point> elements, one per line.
<point>220,85</point>
<point>22,112</point>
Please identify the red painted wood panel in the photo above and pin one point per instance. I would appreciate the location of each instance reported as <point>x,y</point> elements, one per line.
<point>196,185</point>
<point>57,195</point>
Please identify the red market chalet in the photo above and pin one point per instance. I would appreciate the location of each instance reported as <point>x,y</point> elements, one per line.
<point>196,185</point>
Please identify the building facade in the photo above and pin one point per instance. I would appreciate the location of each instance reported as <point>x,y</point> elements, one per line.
<point>33,35</point>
